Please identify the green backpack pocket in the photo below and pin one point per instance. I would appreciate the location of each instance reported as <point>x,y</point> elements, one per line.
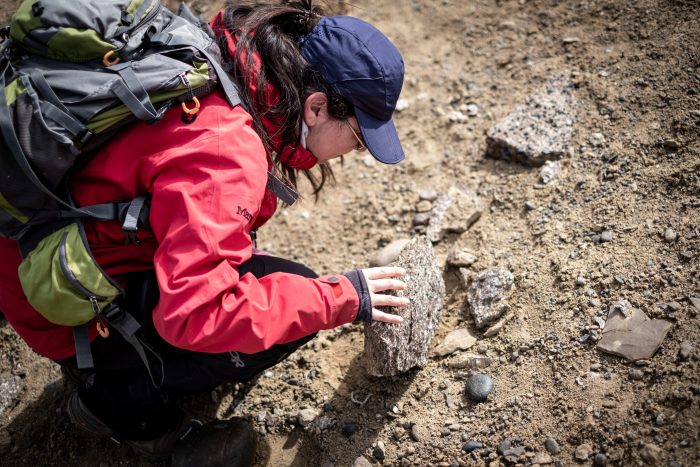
<point>63,282</point>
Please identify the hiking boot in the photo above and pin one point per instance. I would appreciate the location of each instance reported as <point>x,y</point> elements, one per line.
<point>229,443</point>
<point>156,449</point>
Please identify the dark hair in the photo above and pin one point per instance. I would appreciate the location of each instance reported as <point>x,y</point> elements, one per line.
<point>271,34</point>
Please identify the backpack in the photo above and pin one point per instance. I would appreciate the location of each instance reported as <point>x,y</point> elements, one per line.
<point>73,73</point>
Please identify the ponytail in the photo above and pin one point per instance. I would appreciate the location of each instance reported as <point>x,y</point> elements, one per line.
<point>267,54</point>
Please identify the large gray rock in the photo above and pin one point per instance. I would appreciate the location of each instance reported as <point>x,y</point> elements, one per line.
<point>10,392</point>
<point>539,129</point>
<point>486,294</point>
<point>453,212</point>
<point>391,349</point>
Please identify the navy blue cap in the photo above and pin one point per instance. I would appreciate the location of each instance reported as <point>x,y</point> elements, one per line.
<point>366,69</point>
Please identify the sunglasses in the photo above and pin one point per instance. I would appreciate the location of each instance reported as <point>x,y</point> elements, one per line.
<point>360,144</point>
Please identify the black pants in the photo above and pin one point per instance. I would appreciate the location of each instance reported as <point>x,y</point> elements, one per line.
<point>120,391</point>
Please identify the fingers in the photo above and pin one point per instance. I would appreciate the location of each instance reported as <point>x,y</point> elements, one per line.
<point>378,285</point>
<point>388,300</point>
<point>379,315</point>
<point>383,272</point>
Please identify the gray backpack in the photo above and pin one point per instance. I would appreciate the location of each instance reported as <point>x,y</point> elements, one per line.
<point>74,72</point>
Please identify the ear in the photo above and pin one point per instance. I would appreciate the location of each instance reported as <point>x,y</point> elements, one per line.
<point>315,108</point>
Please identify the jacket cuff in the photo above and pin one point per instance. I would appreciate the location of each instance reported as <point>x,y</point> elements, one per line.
<point>357,279</point>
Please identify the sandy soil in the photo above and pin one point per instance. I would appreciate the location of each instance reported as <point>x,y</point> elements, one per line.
<point>636,68</point>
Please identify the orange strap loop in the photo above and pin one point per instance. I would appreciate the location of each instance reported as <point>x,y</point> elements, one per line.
<point>194,109</point>
<point>102,331</point>
<point>108,60</point>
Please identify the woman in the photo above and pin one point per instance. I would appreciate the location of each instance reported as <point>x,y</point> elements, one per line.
<point>314,88</point>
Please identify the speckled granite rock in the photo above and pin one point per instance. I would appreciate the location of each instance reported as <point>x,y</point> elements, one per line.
<point>453,212</point>
<point>10,391</point>
<point>539,129</point>
<point>486,294</point>
<point>391,349</point>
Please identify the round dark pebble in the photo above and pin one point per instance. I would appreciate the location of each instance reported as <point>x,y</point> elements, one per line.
<point>478,387</point>
<point>551,445</point>
<point>600,460</point>
<point>471,446</point>
<point>349,428</point>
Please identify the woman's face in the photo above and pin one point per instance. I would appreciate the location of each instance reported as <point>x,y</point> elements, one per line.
<point>329,138</point>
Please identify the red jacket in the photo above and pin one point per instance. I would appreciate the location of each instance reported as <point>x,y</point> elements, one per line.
<point>208,186</point>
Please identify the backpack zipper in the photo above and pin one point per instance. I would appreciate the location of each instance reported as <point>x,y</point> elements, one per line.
<point>73,280</point>
<point>150,16</point>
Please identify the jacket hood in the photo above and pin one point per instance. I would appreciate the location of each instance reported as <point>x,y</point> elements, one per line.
<point>292,155</point>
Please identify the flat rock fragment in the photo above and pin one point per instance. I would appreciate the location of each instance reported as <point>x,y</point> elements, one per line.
<point>486,294</point>
<point>539,129</point>
<point>391,349</point>
<point>459,339</point>
<point>635,336</point>
<point>453,212</point>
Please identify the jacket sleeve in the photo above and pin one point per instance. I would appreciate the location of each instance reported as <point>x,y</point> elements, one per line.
<point>206,193</point>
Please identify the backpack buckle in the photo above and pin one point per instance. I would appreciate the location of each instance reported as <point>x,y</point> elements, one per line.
<point>37,9</point>
<point>131,236</point>
<point>126,18</point>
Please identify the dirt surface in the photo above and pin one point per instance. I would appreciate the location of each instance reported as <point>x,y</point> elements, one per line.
<point>636,68</point>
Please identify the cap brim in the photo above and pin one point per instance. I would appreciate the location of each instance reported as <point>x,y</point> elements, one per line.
<point>380,137</point>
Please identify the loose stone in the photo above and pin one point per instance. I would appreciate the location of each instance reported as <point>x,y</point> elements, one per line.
<point>685,350</point>
<point>580,281</point>
<point>606,236</point>
<point>428,195</point>
<point>379,452</point>
<point>670,236</point>
<point>416,433</point>
<point>583,451</point>
<point>361,462</point>
<point>551,445</point>
<point>471,446</point>
<point>478,387</point>
<point>349,428</point>
<point>504,446</point>
<point>600,460</point>
<point>596,139</point>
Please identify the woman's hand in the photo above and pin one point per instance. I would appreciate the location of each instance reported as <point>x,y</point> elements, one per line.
<point>379,280</point>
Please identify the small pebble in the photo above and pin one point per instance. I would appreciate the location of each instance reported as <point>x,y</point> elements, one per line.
<point>416,433</point>
<point>580,281</point>
<point>600,460</point>
<point>424,206</point>
<point>361,462</point>
<point>422,218</point>
<point>471,446</point>
<point>606,236</point>
<point>478,387</point>
<point>636,374</point>
<point>529,206</point>
<point>685,350</point>
<point>428,195</point>
<point>401,105</point>
<point>551,445</point>
<point>670,236</point>
<point>504,446</point>
<point>349,428</point>
<point>596,139</point>
<point>379,451</point>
